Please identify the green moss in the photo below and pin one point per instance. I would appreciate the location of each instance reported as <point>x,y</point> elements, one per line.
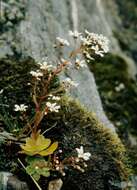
<point>14,81</point>
<point>121,107</point>
<point>15,77</point>
<point>128,12</point>
<point>76,126</point>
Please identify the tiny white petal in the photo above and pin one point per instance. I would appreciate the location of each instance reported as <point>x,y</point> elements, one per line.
<point>21,107</point>
<point>37,74</point>
<point>1,91</point>
<point>53,107</point>
<point>96,42</point>
<point>62,41</point>
<point>68,83</point>
<point>45,66</point>
<point>74,34</point>
<point>85,156</point>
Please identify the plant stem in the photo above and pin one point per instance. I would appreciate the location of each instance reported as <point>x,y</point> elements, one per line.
<point>37,185</point>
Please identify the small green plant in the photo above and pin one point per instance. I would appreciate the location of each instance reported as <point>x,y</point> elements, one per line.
<point>37,167</point>
<point>38,145</point>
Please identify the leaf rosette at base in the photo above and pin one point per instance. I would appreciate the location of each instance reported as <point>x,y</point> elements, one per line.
<point>38,145</point>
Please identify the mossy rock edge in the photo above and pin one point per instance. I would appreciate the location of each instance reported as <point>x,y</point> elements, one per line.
<point>120,106</point>
<point>75,127</point>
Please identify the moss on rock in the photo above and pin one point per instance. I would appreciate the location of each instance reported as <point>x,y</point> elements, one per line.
<point>120,105</point>
<point>14,80</point>
<point>74,126</point>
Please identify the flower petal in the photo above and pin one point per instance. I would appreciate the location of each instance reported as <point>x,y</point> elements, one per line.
<point>49,150</point>
<point>86,156</point>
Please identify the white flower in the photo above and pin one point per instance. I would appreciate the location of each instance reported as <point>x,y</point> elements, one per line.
<point>36,167</point>
<point>118,123</point>
<point>36,74</point>
<point>84,41</point>
<point>97,50</point>
<point>96,42</point>
<point>74,34</point>
<point>68,83</point>
<point>80,63</point>
<point>53,107</point>
<point>120,87</point>
<point>62,42</point>
<point>20,107</point>
<point>54,97</point>
<point>88,56</point>
<point>45,66</point>
<point>85,156</point>
<point>87,32</point>
<point>1,91</point>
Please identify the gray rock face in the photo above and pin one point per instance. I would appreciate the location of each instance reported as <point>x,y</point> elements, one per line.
<point>9,182</point>
<point>35,33</point>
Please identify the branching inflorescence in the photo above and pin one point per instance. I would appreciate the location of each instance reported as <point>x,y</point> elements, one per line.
<point>46,95</point>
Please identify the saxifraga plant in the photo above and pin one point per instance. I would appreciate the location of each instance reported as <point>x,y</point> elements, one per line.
<point>46,94</point>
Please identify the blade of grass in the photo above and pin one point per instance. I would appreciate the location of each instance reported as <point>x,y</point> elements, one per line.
<point>37,185</point>
<point>49,128</point>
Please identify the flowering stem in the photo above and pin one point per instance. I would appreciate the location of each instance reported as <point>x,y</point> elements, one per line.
<point>75,52</point>
<point>35,95</point>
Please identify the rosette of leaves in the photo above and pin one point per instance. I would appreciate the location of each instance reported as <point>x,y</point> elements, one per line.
<point>37,166</point>
<point>37,144</point>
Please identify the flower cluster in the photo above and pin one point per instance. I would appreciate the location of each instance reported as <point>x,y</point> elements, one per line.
<point>54,97</point>
<point>53,107</point>
<point>95,44</point>
<point>45,66</point>
<point>80,63</point>
<point>75,34</point>
<point>68,83</point>
<point>120,87</point>
<point>77,162</point>
<point>85,156</point>
<point>37,74</point>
